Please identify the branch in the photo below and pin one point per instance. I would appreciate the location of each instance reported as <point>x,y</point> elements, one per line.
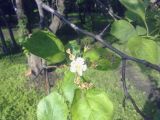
<point>102,41</point>
<point>41,13</point>
<point>124,56</point>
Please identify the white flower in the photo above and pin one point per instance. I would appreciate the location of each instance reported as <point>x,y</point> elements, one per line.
<point>78,66</point>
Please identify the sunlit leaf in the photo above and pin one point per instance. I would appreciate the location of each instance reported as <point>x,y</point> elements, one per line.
<point>92,55</point>
<point>68,86</point>
<point>144,49</point>
<point>141,30</point>
<point>135,6</point>
<point>91,104</point>
<point>52,107</point>
<point>123,30</point>
<point>46,45</point>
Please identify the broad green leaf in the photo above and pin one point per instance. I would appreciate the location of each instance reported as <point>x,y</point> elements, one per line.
<point>135,6</point>
<point>123,30</point>
<point>91,104</point>
<point>46,45</point>
<point>52,107</point>
<point>68,86</point>
<point>92,55</point>
<point>141,30</point>
<point>144,49</point>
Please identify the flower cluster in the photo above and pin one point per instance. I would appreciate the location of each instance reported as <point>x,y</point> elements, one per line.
<point>78,66</point>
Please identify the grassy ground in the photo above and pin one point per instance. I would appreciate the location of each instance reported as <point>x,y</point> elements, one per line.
<point>18,101</point>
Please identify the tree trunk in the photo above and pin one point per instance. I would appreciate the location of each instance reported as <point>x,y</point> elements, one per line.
<point>20,12</point>
<point>34,62</point>
<point>56,23</point>
<point>41,13</point>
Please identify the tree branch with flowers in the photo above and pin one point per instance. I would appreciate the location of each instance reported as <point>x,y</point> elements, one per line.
<point>75,95</point>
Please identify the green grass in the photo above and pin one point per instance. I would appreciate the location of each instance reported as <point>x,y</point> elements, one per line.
<point>18,101</point>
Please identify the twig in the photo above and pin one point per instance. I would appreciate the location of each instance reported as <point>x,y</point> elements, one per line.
<point>38,74</point>
<point>47,84</point>
<point>48,67</point>
<point>104,30</point>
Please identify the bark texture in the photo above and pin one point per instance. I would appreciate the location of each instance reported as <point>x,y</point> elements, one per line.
<point>56,23</point>
<point>34,62</point>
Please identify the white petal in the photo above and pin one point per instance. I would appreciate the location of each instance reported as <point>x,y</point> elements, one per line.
<point>80,60</point>
<point>84,67</point>
<point>72,69</point>
<point>79,73</point>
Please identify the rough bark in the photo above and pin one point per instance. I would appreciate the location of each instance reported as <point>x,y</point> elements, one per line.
<point>56,23</point>
<point>20,12</point>
<point>34,62</point>
<point>41,13</point>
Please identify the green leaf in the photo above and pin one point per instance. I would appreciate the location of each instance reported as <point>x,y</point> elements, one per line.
<point>46,45</point>
<point>52,107</point>
<point>133,17</point>
<point>135,6</point>
<point>123,30</point>
<point>92,55</point>
<point>91,104</point>
<point>141,30</point>
<point>74,47</point>
<point>143,48</point>
<point>68,86</point>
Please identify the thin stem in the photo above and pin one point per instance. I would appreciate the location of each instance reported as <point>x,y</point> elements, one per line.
<point>146,27</point>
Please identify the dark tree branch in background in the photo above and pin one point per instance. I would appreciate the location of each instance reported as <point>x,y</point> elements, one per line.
<point>41,13</point>
<point>124,56</point>
<point>107,10</point>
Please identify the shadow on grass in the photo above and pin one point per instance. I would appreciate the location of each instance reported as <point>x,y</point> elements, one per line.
<point>152,105</point>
